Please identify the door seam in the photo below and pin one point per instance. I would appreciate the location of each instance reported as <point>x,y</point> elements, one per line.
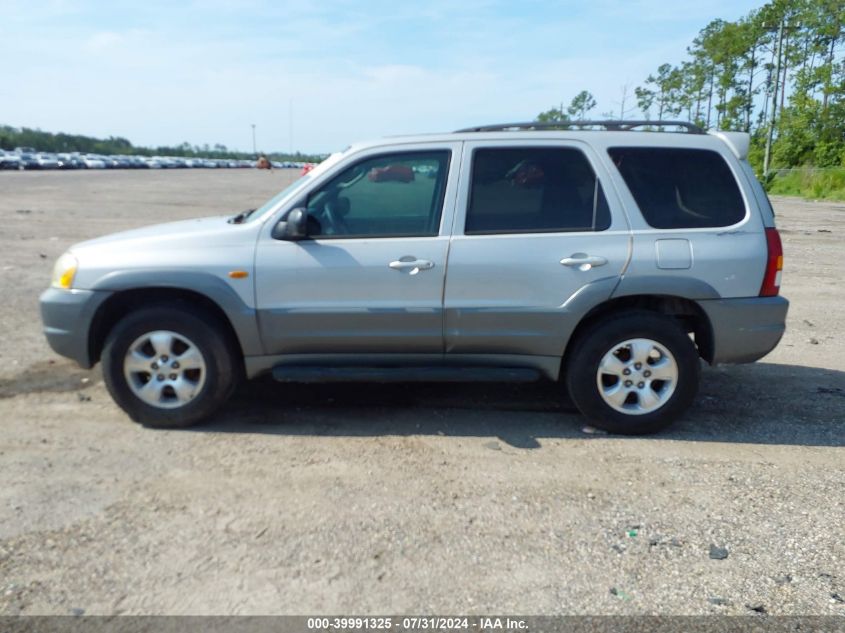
<point>458,182</point>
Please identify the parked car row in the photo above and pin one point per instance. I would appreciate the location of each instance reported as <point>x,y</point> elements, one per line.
<point>24,158</point>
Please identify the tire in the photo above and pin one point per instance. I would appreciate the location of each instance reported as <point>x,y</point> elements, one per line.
<point>142,370</point>
<point>645,344</point>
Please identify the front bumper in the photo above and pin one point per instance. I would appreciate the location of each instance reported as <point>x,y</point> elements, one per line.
<point>67,317</point>
<point>745,330</point>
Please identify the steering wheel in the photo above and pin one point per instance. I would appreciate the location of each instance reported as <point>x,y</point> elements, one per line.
<point>335,224</point>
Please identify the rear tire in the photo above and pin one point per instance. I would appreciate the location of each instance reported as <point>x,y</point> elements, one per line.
<point>633,373</point>
<point>169,367</point>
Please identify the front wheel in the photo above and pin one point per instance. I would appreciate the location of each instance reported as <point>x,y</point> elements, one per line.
<point>633,373</point>
<point>168,367</point>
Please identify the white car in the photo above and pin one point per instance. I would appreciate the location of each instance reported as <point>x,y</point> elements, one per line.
<point>93,162</point>
<point>9,160</point>
<point>47,161</point>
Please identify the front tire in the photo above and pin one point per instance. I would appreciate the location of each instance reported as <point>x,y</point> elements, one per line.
<point>633,373</point>
<point>169,367</point>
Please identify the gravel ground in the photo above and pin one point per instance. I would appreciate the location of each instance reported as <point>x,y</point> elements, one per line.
<point>410,499</point>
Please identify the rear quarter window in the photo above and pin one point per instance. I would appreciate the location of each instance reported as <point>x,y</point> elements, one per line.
<point>680,188</point>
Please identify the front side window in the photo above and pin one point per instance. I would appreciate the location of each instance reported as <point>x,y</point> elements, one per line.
<point>534,190</point>
<point>391,195</point>
<point>680,188</point>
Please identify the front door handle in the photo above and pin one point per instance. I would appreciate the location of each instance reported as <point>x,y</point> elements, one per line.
<point>583,262</point>
<point>412,264</point>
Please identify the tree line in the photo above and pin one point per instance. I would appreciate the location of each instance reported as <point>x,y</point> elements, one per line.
<point>777,73</point>
<point>11,137</point>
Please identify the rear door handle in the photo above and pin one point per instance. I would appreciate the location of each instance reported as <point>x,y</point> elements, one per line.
<point>409,263</point>
<point>583,262</point>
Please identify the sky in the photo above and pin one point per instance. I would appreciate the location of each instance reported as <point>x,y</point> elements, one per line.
<point>317,75</point>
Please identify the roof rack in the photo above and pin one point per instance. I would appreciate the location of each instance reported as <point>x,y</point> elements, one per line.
<point>612,126</point>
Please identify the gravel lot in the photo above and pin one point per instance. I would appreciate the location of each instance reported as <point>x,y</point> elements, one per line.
<point>409,499</point>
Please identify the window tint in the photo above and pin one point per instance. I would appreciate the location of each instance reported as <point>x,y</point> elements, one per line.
<point>680,188</point>
<point>388,196</point>
<point>534,190</point>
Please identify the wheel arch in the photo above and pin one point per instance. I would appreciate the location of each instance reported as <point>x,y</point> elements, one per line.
<point>123,302</point>
<point>687,311</point>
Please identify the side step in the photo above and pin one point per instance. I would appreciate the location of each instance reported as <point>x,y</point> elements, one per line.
<point>293,373</point>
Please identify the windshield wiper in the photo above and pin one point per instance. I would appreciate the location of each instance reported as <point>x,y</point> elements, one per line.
<point>240,217</point>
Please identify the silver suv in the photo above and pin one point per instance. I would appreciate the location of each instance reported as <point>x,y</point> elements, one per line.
<point>609,256</point>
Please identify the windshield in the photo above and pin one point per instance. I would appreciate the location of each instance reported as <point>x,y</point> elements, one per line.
<point>295,185</point>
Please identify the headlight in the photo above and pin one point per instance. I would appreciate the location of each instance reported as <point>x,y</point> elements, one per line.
<point>64,271</point>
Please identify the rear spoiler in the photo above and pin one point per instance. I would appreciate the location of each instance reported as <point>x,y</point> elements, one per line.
<point>738,142</point>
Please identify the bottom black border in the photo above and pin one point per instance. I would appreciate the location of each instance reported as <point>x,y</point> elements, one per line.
<point>414,623</point>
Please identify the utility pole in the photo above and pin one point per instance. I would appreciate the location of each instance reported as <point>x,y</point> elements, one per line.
<point>253,139</point>
<point>622,105</point>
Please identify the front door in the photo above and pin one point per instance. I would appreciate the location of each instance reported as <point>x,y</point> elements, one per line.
<point>369,278</point>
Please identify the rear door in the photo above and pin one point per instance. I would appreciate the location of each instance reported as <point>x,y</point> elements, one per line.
<point>537,237</point>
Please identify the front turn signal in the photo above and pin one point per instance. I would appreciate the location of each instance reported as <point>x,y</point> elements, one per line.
<point>64,271</point>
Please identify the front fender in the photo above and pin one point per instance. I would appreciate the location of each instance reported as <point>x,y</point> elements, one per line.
<point>242,316</point>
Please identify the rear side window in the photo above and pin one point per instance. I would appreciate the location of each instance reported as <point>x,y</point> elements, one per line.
<point>680,188</point>
<point>534,190</point>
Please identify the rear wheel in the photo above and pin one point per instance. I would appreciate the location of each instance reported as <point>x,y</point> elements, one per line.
<point>633,373</point>
<point>169,367</point>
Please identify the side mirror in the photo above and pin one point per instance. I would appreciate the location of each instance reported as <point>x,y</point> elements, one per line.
<point>293,227</point>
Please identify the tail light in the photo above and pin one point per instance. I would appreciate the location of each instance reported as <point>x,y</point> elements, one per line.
<point>774,264</point>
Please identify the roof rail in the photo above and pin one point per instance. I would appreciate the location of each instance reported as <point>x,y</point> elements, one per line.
<point>613,126</point>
